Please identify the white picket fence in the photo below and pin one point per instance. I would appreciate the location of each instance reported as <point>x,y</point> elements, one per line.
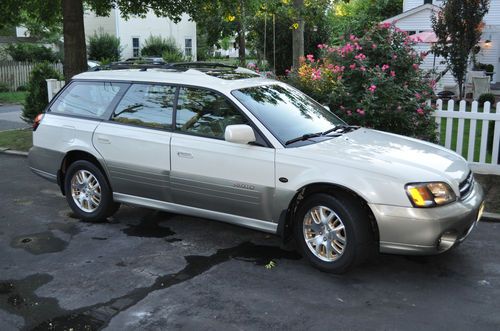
<point>470,119</point>
<point>16,74</point>
<point>488,159</point>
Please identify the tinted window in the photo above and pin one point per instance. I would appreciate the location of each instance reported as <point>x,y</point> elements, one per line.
<point>205,113</point>
<point>286,112</point>
<point>146,105</point>
<point>87,98</point>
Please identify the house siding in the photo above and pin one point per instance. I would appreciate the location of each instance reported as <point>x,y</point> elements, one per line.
<point>142,28</point>
<point>419,21</point>
<point>410,4</point>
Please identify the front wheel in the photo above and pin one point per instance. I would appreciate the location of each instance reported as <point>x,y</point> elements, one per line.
<point>334,233</point>
<point>88,193</point>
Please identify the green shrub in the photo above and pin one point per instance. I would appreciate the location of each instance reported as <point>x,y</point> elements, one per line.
<point>22,88</point>
<point>25,52</point>
<point>37,98</point>
<point>156,46</point>
<point>172,56</point>
<point>104,47</point>
<point>372,81</point>
<point>486,97</point>
<point>4,87</point>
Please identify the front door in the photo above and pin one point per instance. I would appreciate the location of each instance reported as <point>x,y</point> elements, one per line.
<point>211,173</point>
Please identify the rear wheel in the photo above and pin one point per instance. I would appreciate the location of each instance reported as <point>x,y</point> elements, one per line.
<point>334,233</point>
<point>88,193</point>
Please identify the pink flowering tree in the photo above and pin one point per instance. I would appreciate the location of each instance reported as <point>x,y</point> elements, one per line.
<point>374,81</point>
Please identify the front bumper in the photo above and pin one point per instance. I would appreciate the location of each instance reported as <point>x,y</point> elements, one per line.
<point>420,231</point>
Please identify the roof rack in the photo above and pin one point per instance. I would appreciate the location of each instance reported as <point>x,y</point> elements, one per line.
<point>177,66</point>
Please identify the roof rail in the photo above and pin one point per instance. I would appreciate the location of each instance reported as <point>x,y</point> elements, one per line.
<point>177,66</point>
<point>200,65</point>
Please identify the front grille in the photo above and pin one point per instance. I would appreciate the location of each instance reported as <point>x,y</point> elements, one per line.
<point>466,186</point>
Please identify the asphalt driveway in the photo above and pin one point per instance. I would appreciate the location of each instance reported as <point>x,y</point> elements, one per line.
<point>152,270</point>
<point>10,117</point>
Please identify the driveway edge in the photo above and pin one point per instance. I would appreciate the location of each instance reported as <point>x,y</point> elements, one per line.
<point>4,150</point>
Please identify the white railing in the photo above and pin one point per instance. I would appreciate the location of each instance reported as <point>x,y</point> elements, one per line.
<point>54,86</point>
<point>466,130</point>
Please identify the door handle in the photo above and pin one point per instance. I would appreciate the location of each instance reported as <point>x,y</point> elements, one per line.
<point>185,155</point>
<point>103,139</point>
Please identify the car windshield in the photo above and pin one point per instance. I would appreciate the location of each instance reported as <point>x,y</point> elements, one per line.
<point>286,112</point>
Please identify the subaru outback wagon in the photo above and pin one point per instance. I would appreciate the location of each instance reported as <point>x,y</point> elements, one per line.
<point>223,143</point>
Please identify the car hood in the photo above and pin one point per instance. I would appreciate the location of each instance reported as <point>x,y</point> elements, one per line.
<point>391,155</point>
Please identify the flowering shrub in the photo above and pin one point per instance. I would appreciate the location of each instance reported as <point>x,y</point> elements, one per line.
<point>374,81</point>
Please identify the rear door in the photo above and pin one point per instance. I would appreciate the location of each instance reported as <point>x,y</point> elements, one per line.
<point>211,173</point>
<point>135,142</point>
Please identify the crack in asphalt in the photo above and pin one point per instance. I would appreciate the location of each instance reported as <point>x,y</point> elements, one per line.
<point>36,309</point>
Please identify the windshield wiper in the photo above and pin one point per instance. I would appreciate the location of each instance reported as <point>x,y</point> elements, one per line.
<point>303,137</point>
<point>342,127</point>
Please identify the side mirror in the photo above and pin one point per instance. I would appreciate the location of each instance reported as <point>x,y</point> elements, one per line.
<point>326,107</point>
<point>239,134</point>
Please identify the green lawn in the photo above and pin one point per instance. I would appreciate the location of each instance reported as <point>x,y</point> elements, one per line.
<point>465,143</point>
<point>12,97</point>
<point>20,140</point>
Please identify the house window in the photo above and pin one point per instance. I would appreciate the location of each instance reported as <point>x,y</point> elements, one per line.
<point>188,47</point>
<point>135,47</point>
<point>427,1</point>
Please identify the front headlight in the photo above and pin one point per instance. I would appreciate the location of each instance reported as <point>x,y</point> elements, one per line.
<point>430,194</point>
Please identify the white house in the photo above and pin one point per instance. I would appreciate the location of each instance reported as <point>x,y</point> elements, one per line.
<point>135,30</point>
<point>416,18</point>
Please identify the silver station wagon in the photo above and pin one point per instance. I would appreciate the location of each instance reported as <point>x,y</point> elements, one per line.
<point>222,143</point>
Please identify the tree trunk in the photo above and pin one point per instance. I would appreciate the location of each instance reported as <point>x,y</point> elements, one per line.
<point>241,36</point>
<point>75,52</point>
<point>298,34</point>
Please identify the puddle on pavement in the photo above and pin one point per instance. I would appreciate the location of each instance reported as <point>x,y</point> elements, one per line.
<point>99,238</point>
<point>98,316</point>
<point>18,297</point>
<point>39,243</point>
<point>172,240</point>
<point>149,226</point>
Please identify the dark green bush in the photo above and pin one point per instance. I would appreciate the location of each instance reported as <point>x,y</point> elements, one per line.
<point>4,87</point>
<point>22,88</point>
<point>486,97</point>
<point>25,52</point>
<point>156,46</point>
<point>37,98</point>
<point>104,47</point>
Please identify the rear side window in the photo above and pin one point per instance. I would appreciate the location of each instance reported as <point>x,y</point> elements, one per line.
<point>89,99</point>
<point>146,105</point>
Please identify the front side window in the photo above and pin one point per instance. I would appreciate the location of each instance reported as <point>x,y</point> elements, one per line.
<point>89,99</point>
<point>286,112</point>
<point>205,113</point>
<point>147,106</point>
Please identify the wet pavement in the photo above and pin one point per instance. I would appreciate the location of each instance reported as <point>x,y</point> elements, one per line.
<point>152,270</point>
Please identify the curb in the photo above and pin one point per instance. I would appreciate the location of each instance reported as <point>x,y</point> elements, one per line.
<point>4,150</point>
<point>490,217</point>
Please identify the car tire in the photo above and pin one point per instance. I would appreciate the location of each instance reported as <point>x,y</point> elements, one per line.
<point>333,232</point>
<point>88,192</point>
